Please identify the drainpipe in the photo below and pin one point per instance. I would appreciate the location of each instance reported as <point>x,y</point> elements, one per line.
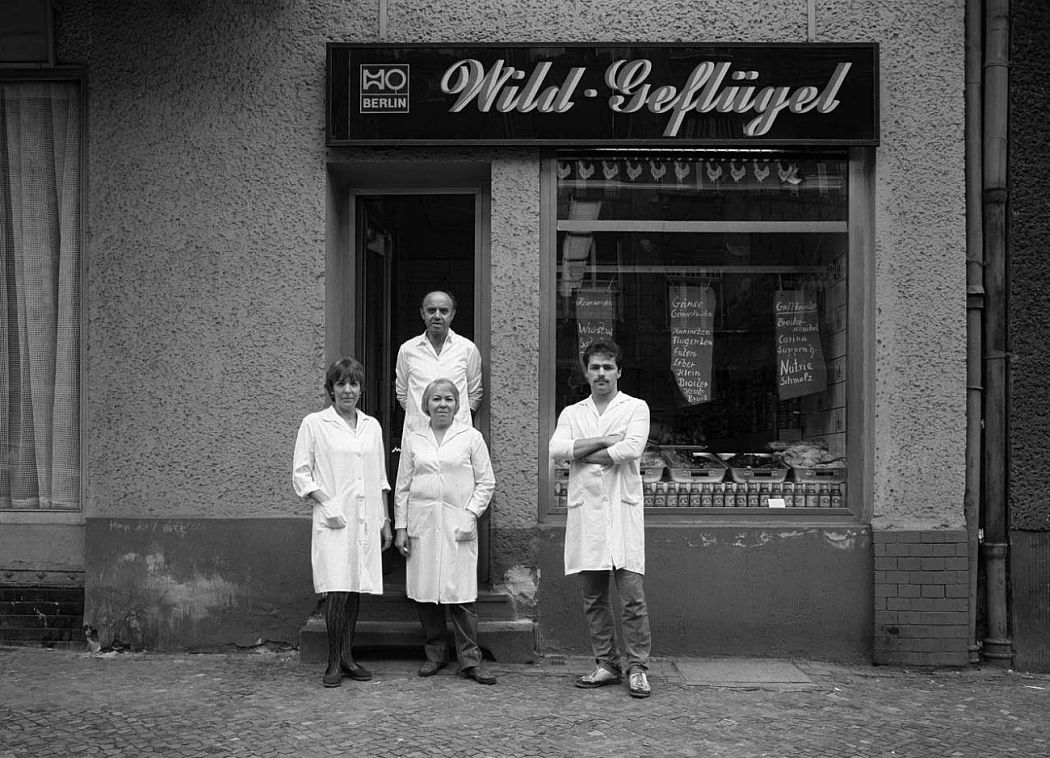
<point>998,647</point>
<point>974,307</point>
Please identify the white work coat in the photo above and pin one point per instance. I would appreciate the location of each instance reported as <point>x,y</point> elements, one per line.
<point>348,466</point>
<point>605,526</point>
<point>418,364</point>
<point>441,491</point>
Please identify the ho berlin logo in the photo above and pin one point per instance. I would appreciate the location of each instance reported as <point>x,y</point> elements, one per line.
<point>384,88</point>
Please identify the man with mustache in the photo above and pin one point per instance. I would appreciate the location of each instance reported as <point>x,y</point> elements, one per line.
<point>603,437</point>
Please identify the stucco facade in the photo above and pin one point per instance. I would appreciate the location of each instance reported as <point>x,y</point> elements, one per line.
<point>207,234</point>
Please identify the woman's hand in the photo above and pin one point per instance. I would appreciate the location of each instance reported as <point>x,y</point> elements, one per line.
<point>386,534</point>
<point>401,542</point>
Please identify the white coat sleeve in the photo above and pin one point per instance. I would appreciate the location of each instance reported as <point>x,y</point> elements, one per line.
<point>475,392</point>
<point>303,462</point>
<point>635,436</point>
<point>484,479</point>
<point>561,443</point>
<point>403,486</point>
<point>401,378</point>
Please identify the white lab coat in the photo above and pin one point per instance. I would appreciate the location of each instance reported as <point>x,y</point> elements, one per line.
<point>418,364</point>
<point>605,525</point>
<point>349,467</point>
<point>441,490</point>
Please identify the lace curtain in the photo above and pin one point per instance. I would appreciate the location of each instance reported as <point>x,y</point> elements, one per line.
<point>40,199</point>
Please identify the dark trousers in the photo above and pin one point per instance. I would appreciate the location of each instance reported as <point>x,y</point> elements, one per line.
<point>464,631</point>
<point>594,587</point>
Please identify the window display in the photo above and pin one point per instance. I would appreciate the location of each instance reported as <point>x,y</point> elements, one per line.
<point>723,278</point>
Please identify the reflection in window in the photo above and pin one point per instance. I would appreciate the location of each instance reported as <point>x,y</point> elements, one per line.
<point>723,278</point>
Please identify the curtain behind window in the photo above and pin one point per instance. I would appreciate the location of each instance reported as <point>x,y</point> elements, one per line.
<point>40,186</point>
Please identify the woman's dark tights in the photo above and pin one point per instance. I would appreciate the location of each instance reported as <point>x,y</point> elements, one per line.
<point>340,618</point>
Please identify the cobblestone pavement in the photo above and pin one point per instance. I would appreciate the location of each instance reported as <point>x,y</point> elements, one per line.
<point>65,703</point>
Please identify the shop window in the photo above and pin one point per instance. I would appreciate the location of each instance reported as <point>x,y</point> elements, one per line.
<point>723,277</point>
<point>40,239</point>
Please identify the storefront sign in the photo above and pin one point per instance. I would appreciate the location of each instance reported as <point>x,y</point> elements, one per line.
<point>692,320</point>
<point>800,359</point>
<point>746,94</point>
<point>595,312</point>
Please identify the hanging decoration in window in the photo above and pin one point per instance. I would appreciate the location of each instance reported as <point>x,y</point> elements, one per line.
<point>706,173</point>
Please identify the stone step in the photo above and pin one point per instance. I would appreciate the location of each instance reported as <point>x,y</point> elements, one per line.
<point>504,640</point>
<point>395,605</point>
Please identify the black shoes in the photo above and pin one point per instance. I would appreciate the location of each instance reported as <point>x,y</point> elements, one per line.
<point>357,672</point>
<point>479,674</point>
<point>429,668</point>
<point>333,677</point>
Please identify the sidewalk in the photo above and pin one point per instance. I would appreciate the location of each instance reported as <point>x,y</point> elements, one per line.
<point>62,703</point>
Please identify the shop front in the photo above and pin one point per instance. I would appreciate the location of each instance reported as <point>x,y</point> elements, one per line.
<point>709,208</point>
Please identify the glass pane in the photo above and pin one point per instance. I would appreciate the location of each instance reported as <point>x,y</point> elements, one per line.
<point>723,279</point>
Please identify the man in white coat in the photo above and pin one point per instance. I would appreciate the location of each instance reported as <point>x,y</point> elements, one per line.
<point>437,353</point>
<point>603,437</point>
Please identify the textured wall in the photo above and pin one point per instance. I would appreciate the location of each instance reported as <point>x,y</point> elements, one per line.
<point>920,291</point>
<point>206,236</point>
<point>206,251</point>
<point>1029,266</point>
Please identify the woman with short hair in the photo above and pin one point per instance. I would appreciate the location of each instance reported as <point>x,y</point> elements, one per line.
<point>444,485</point>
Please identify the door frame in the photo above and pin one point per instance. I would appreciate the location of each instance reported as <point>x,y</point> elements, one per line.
<point>349,180</point>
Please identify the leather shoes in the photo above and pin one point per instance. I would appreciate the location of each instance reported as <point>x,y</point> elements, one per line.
<point>357,672</point>
<point>333,677</point>
<point>479,674</point>
<point>429,668</point>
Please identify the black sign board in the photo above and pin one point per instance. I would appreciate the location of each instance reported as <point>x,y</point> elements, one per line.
<point>623,95</point>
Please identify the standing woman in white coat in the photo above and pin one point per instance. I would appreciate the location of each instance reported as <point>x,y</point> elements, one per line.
<point>339,466</point>
<point>444,485</point>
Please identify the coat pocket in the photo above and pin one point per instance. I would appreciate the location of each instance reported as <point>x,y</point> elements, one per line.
<point>466,529</point>
<point>422,517</point>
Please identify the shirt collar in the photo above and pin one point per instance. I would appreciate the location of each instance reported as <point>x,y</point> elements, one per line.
<point>331,415</point>
<point>449,338</point>
<point>621,396</point>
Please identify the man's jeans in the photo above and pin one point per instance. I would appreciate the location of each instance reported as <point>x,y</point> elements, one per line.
<point>594,586</point>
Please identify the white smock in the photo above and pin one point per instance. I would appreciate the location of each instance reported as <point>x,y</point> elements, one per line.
<point>348,466</point>
<point>418,364</point>
<point>441,491</point>
<point>604,524</point>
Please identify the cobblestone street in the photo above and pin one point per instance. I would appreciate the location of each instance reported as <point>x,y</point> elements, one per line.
<point>62,703</point>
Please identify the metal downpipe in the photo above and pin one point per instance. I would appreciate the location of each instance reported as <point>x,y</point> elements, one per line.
<point>974,311</point>
<point>998,645</point>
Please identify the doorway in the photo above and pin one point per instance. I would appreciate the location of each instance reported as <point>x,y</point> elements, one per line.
<point>407,245</point>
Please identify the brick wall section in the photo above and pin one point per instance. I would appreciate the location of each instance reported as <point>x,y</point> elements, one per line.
<point>921,598</point>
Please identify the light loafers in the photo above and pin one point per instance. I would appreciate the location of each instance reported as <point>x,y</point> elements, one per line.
<point>600,677</point>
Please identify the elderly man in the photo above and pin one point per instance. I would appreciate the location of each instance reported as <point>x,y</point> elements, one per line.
<point>438,353</point>
<point>603,437</point>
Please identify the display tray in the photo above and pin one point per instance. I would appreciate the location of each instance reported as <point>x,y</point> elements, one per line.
<point>761,467</point>
<point>829,474</point>
<point>689,463</point>
<point>652,473</point>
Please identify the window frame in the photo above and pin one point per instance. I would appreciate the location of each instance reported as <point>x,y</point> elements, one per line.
<point>78,76</point>
<point>859,362</point>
